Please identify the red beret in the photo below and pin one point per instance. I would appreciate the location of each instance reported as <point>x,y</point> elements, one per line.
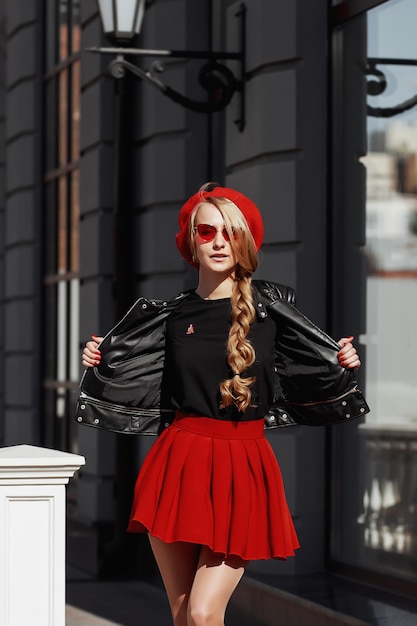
<point>246,206</point>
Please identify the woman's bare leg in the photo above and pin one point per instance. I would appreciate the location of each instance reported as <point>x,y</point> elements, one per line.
<point>177,563</point>
<point>214,582</point>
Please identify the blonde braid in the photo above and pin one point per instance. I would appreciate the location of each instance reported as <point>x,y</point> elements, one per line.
<point>240,352</point>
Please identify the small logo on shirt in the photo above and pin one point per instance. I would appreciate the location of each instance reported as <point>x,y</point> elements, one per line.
<point>190,330</point>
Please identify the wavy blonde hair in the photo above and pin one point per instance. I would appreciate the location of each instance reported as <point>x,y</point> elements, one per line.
<point>240,352</point>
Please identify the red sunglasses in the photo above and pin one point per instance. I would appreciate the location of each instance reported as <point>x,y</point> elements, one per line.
<point>208,232</point>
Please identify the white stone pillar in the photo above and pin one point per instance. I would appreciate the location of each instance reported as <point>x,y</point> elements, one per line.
<point>32,534</point>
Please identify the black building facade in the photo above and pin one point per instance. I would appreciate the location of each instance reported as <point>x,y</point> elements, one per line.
<point>93,171</point>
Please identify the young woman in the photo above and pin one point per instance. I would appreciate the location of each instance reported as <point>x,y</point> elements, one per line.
<point>210,493</point>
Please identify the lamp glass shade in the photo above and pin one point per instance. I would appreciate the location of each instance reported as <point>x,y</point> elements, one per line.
<point>121,19</point>
<point>106,14</point>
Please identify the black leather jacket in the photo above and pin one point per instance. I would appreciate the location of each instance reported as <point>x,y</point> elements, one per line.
<point>123,393</point>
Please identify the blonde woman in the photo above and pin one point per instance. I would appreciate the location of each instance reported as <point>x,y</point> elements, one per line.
<point>210,493</point>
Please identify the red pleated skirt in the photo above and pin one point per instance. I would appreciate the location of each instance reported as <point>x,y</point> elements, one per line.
<point>215,483</point>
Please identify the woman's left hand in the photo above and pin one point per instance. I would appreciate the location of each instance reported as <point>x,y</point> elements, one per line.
<point>348,357</point>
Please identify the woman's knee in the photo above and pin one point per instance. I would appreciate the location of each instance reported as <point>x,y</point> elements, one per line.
<point>203,615</point>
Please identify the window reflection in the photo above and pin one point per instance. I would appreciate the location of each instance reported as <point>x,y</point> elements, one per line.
<point>391,200</point>
<point>374,479</point>
<point>388,520</point>
<point>389,499</point>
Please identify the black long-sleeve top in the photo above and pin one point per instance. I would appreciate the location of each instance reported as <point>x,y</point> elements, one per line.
<point>196,363</point>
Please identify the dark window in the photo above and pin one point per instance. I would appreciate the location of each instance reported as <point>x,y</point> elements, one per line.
<point>61,221</point>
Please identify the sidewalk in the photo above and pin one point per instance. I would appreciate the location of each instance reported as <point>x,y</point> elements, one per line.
<point>76,617</point>
<point>114,603</point>
<point>319,600</point>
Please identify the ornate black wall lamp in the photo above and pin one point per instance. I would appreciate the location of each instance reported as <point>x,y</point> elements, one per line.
<point>377,84</point>
<point>122,21</point>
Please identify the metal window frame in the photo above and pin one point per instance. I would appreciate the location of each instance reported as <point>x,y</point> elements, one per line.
<point>351,8</point>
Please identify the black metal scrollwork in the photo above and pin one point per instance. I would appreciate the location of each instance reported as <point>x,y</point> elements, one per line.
<point>219,82</point>
<point>378,84</point>
<point>216,78</point>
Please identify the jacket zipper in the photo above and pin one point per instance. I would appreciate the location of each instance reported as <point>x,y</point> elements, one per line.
<point>343,395</point>
<point>117,407</point>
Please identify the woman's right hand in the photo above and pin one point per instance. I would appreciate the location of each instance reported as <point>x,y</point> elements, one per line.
<point>91,354</point>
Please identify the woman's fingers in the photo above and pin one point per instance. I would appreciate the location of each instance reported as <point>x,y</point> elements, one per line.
<point>348,356</point>
<point>350,360</point>
<point>91,355</point>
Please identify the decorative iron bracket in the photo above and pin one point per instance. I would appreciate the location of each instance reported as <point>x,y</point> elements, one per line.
<point>377,87</point>
<point>214,76</point>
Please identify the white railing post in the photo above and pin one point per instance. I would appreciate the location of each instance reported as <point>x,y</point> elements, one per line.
<point>32,534</point>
